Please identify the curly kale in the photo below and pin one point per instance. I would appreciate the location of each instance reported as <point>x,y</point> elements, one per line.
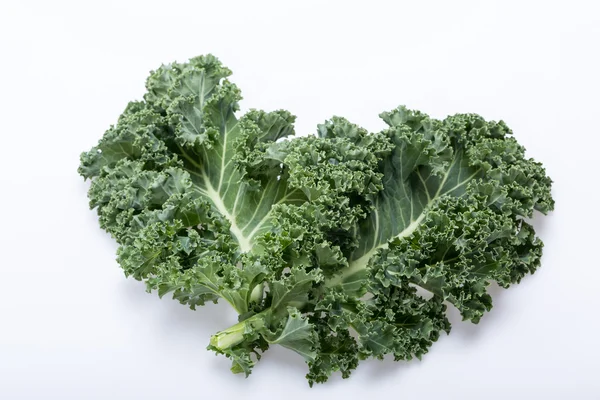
<point>320,243</point>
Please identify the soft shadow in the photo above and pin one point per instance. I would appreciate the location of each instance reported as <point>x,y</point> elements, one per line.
<point>280,357</point>
<point>172,317</point>
<point>540,222</point>
<point>469,331</point>
<point>205,320</point>
<point>385,369</point>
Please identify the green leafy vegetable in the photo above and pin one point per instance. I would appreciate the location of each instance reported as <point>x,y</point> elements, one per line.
<point>322,244</point>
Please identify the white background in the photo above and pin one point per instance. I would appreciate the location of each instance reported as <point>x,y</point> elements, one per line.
<point>71,325</point>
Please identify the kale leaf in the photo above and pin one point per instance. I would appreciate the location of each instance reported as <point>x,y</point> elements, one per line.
<point>322,244</point>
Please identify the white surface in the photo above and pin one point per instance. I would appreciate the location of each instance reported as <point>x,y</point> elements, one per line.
<point>72,327</point>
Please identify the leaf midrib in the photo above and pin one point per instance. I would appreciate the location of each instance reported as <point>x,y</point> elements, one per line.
<point>361,263</point>
<point>245,241</point>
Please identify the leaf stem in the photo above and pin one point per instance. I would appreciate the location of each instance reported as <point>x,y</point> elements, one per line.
<point>234,335</point>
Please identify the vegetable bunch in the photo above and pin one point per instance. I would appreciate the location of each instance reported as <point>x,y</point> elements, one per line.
<point>323,244</point>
